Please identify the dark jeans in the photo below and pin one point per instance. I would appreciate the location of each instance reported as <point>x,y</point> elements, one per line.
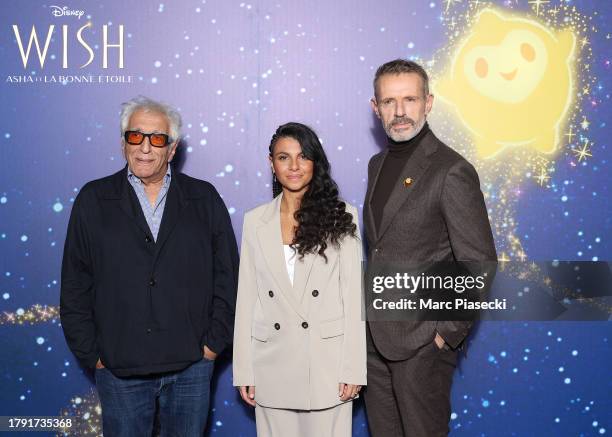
<point>129,404</point>
<point>410,398</point>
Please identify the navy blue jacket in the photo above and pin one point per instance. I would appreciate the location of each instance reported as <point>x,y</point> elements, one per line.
<point>141,306</point>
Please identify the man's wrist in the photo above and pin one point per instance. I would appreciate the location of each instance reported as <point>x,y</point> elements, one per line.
<point>209,353</point>
<point>439,341</point>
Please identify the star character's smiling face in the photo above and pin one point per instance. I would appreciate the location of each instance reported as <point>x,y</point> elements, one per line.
<point>510,71</point>
<point>511,82</point>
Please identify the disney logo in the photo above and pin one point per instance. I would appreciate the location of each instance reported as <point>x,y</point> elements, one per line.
<point>64,11</point>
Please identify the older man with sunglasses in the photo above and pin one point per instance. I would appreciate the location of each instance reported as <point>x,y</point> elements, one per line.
<point>149,282</point>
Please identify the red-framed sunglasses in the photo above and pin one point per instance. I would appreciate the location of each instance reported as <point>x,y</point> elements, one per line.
<point>136,138</point>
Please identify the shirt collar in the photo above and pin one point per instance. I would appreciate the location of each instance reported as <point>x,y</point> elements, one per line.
<point>132,177</point>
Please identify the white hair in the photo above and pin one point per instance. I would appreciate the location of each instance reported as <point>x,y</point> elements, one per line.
<point>143,103</point>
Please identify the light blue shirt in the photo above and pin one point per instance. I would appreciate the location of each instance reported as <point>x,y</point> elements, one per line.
<point>153,213</point>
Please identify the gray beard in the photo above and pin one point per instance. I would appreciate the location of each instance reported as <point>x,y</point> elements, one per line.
<point>406,137</point>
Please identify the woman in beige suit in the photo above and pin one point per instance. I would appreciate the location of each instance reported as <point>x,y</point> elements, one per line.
<point>299,340</point>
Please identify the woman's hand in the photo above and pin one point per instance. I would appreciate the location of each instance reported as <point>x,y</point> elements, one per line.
<point>348,391</point>
<point>247,393</point>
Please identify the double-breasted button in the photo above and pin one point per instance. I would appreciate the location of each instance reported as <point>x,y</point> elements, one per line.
<point>148,239</point>
<point>271,293</point>
<point>305,325</point>
<point>277,326</point>
<point>152,282</point>
<point>315,293</point>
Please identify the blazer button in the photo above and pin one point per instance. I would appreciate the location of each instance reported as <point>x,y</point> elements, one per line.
<point>305,325</point>
<point>277,326</point>
<point>148,239</point>
<point>152,282</point>
<point>315,293</point>
<point>271,293</point>
<point>148,330</point>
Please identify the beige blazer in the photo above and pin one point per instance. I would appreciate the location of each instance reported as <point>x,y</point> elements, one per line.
<point>295,344</point>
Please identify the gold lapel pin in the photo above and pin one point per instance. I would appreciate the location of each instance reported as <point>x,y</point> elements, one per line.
<point>407,182</point>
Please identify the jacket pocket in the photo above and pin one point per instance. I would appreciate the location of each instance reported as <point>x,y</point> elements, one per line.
<point>332,328</point>
<point>260,331</point>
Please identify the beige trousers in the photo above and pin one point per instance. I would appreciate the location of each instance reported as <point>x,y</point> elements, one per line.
<point>332,422</point>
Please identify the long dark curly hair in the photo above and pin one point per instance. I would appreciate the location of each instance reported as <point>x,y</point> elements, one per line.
<point>322,218</point>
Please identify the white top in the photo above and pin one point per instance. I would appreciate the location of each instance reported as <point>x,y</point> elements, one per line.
<point>290,261</point>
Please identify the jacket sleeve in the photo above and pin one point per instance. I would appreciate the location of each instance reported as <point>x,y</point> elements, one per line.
<point>247,297</point>
<point>469,231</point>
<point>353,365</point>
<point>225,271</point>
<point>77,291</point>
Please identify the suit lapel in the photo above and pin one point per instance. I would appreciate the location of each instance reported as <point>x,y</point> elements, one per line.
<point>319,274</point>
<point>271,243</point>
<point>414,169</point>
<point>128,202</point>
<point>303,268</point>
<point>175,203</point>
<point>369,216</point>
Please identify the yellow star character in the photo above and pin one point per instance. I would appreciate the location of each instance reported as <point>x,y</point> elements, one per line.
<point>510,81</point>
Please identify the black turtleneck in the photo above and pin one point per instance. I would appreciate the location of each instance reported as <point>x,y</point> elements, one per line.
<point>398,155</point>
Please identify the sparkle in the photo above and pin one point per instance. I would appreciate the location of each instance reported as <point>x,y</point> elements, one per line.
<point>543,177</point>
<point>449,3</point>
<point>583,152</point>
<point>88,408</point>
<point>570,134</point>
<point>537,4</point>
<point>584,41</point>
<point>585,123</point>
<point>36,314</point>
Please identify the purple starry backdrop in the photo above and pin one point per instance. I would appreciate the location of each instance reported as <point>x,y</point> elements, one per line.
<point>236,70</point>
